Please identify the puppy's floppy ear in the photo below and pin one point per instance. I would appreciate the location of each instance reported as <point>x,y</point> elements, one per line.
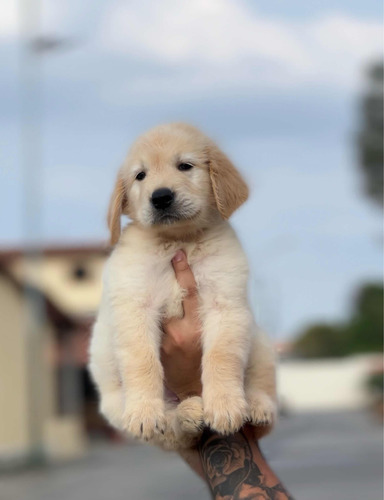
<point>117,205</point>
<point>229,188</point>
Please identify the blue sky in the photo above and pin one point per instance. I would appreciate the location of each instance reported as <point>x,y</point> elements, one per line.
<point>276,83</point>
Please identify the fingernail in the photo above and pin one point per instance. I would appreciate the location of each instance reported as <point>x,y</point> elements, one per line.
<point>179,256</point>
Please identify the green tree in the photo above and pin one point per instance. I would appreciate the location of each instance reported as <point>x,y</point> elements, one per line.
<point>371,135</point>
<point>362,333</point>
<point>365,330</point>
<point>319,341</point>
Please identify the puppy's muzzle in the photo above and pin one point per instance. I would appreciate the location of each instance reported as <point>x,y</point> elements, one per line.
<point>162,198</point>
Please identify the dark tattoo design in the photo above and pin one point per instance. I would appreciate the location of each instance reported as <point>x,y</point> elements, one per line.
<point>232,472</point>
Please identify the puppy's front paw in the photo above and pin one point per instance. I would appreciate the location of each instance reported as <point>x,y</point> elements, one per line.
<point>144,418</point>
<point>189,414</point>
<point>112,407</point>
<point>225,413</point>
<point>262,409</point>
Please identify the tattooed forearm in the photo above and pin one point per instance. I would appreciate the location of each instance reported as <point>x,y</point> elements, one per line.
<point>236,470</point>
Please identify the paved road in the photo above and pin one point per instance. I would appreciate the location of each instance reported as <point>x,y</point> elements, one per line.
<point>319,457</point>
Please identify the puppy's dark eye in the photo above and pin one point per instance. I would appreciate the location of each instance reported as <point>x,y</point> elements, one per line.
<point>140,176</point>
<point>184,166</point>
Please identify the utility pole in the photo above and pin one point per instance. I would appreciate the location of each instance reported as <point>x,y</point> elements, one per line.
<point>31,159</point>
<point>34,47</point>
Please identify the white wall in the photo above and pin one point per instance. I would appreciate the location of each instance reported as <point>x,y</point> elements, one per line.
<point>321,385</point>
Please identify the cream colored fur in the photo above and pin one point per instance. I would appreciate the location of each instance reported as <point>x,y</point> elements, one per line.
<point>140,291</point>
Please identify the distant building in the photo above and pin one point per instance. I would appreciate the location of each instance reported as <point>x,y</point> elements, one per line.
<point>67,283</point>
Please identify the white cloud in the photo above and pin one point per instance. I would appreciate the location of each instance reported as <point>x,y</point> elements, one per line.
<point>8,19</point>
<point>198,47</point>
<point>46,16</point>
<point>224,42</point>
<point>219,32</point>
<point>347,36</point>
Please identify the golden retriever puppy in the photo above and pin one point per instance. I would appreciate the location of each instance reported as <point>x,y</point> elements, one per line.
<point>178,189</point>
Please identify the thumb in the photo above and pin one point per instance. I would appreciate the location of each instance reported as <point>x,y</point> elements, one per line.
<point>186,280</point>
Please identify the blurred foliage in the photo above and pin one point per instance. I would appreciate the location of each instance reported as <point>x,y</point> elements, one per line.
<point>375,383</point>
<point>371,135</point>
<point>363,332</point>
<point>319,341</point>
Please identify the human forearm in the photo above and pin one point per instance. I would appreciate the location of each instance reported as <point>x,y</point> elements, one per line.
<point>235,468</point>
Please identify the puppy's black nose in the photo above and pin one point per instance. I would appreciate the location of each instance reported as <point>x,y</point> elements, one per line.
<point>162,198</point>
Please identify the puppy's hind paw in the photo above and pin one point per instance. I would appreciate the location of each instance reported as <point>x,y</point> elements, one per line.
<point>262,409</point>
<point>190,415</point>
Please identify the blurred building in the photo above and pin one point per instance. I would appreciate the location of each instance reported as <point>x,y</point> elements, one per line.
<point>68,281</point>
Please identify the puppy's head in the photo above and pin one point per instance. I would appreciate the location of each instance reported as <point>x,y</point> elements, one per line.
<point>175,176</point>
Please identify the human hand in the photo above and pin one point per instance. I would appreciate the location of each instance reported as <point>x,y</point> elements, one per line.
<point>181,348</point>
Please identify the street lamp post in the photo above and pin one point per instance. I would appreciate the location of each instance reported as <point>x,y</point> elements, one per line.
<point>34,47</point>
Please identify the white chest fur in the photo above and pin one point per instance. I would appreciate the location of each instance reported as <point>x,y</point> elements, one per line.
<point>140,270</point>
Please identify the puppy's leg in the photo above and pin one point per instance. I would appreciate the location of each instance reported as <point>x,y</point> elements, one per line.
<point>102,366</point>
<point>226,350</point>
<point>260,383</point>
<point>137,339</point>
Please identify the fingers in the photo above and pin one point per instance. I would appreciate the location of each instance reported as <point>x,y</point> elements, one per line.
<point>187,281</point>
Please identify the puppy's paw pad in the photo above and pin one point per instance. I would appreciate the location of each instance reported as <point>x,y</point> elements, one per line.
<point>262,410</point>
<point>144,419</point>
<point>190,415</point>
<point>225,414</point>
